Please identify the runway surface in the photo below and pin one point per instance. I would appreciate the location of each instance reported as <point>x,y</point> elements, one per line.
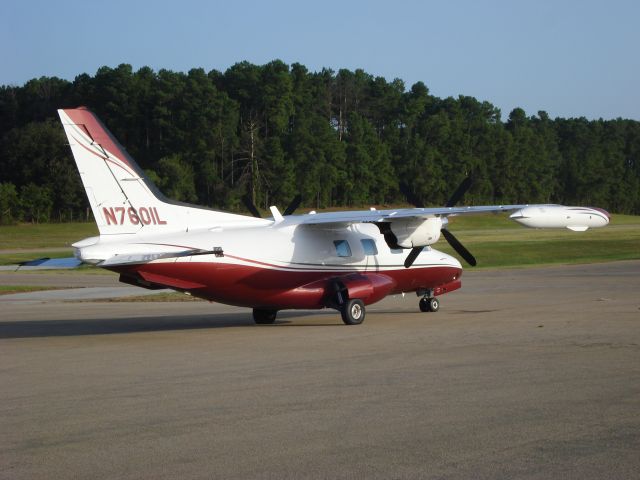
<point>529,373</point>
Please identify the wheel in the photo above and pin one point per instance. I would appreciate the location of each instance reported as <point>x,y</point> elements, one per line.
<point>429,304</point>
<point>424,305</point>
<point>353,312</point>
<point>434,304</point>
<point>264,317</point>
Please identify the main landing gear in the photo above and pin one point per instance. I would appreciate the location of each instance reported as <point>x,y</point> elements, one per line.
<point>352,311</point>
<point>264,317</point>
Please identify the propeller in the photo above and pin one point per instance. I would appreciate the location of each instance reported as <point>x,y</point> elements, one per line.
<point>250,206</point>
<point>295,203</point>
<point>293,206</point>
<point>460,191</point>
<point>449,237</point>
<point>413,254</point>
<point>410,196</point>
<point>458,247</point>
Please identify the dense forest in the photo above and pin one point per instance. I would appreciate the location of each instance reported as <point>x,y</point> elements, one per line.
<point>338,139</point>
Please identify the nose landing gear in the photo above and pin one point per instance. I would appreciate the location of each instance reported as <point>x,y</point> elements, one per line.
<point>429,304</point>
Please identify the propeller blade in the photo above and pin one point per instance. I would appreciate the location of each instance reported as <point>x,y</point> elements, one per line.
<point>293,206</point>
<point>460,191</point>
<point>458,247</point>
<point>250,206</point>
<point>389,237</point>
<point>410,196</point>
<point>413,254</point>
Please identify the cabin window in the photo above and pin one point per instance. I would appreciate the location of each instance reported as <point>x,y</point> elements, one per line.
<point>369,246</point>
<point>342,248</point>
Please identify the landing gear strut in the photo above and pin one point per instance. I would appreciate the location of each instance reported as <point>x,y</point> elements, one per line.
<point>353,311</point>
<point>429,304</point>
<point>264,317</point>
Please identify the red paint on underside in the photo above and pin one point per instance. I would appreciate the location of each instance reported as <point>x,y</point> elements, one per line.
<point>250,286</point>
<point>447,287</point>
<point>172,282</point>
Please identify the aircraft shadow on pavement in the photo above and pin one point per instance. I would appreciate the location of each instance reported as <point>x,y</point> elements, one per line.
<point>105,326</point>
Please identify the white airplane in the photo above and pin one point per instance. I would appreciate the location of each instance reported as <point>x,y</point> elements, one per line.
<point>340,260</point>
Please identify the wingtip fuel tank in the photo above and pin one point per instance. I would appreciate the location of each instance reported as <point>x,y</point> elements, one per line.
<point>558,216</point>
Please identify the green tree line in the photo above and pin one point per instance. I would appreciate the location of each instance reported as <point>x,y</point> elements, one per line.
<point>343,138</point>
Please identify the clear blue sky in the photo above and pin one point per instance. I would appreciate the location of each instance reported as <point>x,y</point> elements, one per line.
<point>570,58</point>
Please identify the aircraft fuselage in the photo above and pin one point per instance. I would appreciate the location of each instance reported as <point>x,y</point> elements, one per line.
<point>280,267</point>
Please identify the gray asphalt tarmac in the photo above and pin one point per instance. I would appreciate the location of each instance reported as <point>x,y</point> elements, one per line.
<point>522,374</point>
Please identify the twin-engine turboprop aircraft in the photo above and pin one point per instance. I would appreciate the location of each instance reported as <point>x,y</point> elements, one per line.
<point>342,260</point>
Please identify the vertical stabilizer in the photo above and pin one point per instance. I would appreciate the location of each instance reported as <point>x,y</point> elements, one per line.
<point>122,198</point>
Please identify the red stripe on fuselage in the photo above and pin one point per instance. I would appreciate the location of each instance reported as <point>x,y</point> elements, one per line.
<point>338,269</point>
<point>252,286</point>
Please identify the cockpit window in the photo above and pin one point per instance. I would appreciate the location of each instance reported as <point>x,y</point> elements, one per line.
<point>369,246</point>
<point>342,248</point>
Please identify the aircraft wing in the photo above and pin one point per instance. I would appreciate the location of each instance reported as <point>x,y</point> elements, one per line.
<point>376,216</point>
<point>418,227</point>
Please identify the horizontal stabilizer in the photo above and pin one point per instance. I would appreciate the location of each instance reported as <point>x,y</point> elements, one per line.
<point>52,263</point>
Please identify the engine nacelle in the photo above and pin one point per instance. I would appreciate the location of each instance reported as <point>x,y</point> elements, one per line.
<point>559,216</point>
<point>412,232</point>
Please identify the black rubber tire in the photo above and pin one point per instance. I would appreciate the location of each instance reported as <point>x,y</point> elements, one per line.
<point>424,305</point>
<point>434,304</point>
<point>264,317</point>
<point>353,312</point>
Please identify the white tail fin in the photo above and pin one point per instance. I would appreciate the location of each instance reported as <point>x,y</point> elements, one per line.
<point>122,198</point>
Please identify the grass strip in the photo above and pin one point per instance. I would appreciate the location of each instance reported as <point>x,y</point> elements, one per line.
<point>17,257</point>
<point>44,235</point>
<point>9,289</point>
